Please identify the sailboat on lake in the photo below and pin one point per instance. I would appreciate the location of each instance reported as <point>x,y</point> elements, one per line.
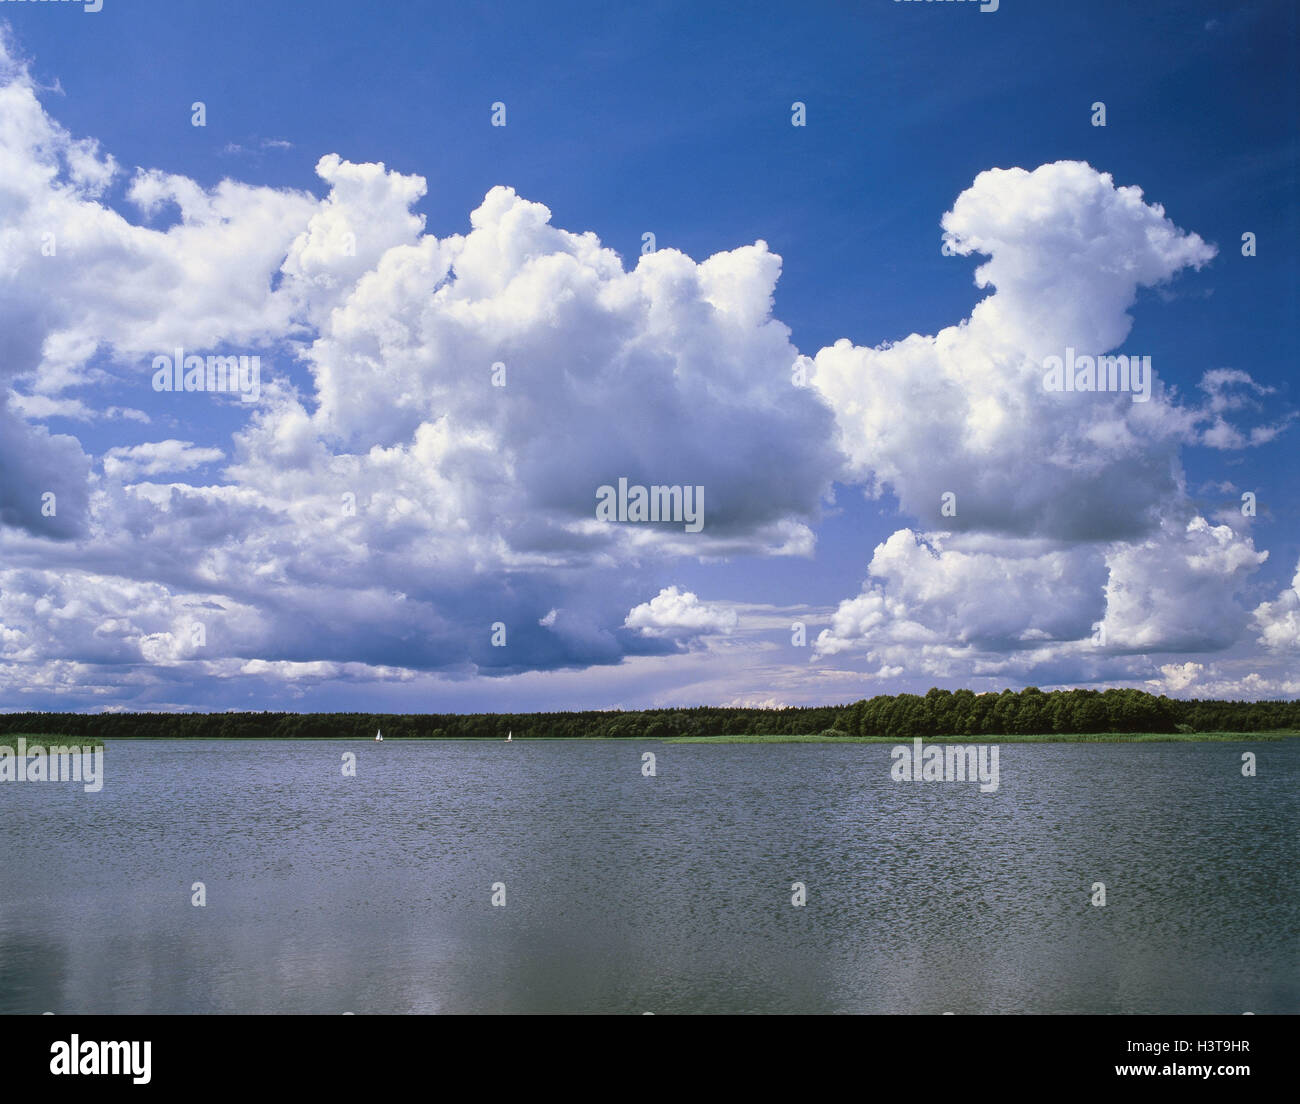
<point>379,736</point>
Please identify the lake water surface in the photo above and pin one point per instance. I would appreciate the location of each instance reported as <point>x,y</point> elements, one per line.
<point>630,894</point>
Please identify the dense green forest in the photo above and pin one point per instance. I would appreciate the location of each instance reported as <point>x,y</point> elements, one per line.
<point>1031,711</point>
<point>651,724</point>
<point>937,713</point>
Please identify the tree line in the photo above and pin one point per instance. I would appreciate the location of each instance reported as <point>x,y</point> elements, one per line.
<point>937,713</point>
<point>1030,712</point>
<point>653,724</point>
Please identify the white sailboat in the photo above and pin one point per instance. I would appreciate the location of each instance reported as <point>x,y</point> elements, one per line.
<point>509,737</point>
<point>379,736</point>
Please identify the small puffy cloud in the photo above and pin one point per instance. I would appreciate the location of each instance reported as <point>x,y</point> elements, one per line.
<point>1278,622</point>
<point>679,614</point>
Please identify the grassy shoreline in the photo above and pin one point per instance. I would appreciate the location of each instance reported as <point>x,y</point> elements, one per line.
<point>35,740</point>
<point>1049,738</point>
<point>46,739</point>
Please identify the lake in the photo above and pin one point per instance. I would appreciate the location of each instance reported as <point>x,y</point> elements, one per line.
<point>666,894</point>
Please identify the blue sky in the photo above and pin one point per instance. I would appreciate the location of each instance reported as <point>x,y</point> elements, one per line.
<point>676,121</point>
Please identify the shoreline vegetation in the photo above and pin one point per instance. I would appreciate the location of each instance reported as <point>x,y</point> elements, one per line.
<point>47,740</point>
<point>1000,738</point>
<point>1030,715</point>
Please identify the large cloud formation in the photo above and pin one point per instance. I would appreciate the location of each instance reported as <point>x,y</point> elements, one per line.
<point>1068,251</point>
<point>433,472</point>
<point>415,490</point>
<point>1061,524</point>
